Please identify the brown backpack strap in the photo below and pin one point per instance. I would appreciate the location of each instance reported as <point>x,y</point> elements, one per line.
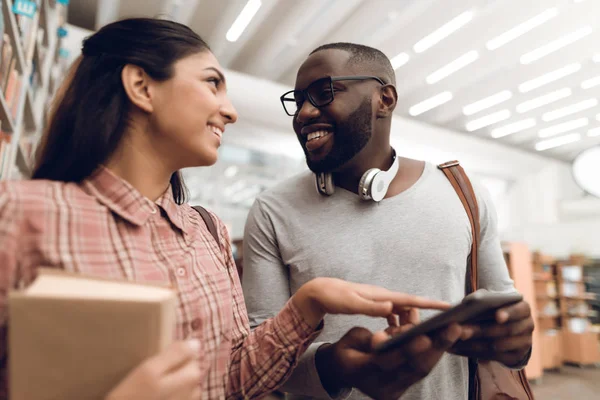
<point>461,183</point>
<point>208,221</point>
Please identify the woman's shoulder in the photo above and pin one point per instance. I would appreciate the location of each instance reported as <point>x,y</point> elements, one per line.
<point>193,214</point>
<point>29,196</point>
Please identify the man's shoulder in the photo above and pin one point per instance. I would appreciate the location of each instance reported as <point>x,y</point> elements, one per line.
<point>290,190</point>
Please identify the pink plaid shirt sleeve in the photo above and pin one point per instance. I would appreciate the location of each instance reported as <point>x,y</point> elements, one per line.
<point>104,227</point>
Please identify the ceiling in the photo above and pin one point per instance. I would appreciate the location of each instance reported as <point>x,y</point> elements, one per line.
<point>283,32</point>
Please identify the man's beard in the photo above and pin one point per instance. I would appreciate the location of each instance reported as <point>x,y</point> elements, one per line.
<point>350,137</point>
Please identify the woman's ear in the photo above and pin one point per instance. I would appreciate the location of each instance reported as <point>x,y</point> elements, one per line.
<point>388,99</point>
<point>136,83</point>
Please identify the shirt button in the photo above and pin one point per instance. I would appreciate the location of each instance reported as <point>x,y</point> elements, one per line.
<point>196,324</point>
<point>181,271</point>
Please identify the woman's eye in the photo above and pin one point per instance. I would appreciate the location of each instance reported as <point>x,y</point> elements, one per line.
<point>215,81</point>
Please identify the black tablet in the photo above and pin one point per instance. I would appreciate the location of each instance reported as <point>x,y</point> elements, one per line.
<point>474,307</point>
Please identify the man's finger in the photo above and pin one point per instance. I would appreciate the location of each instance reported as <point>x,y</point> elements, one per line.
<point>394,358</point>
<point>392,320</point>
<point>517,328</point>
<point>448,337</point>
<point>357,338</point>
<point>474,347</point>
<point>424,362</point>
<point>516,312</point>
<point>512,343</point>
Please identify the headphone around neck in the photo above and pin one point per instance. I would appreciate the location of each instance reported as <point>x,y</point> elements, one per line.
<point>373,184</point>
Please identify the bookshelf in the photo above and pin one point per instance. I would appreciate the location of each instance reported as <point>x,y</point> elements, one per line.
<point>29,70</point>
<point>580,342</point>
<point>520,267</point>
<point>547,303</point>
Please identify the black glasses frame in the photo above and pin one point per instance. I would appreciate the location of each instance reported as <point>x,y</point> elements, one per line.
<point>312,101</point>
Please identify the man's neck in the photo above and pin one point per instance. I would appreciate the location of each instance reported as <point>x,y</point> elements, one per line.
<point>349,177</point>
<point>408,174</point>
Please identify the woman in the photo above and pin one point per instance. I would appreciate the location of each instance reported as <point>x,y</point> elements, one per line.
<point>147,98</point>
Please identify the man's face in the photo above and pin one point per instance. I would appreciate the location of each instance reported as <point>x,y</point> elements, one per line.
<point>333,134</point>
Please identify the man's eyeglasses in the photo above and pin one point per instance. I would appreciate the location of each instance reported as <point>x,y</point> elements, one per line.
<point>319,93</point>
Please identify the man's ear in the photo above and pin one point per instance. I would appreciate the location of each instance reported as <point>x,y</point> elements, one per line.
<point>388,98</point>
<point>136,83</point>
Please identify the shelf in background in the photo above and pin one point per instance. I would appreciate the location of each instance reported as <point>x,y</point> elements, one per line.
<point>15,35</point>
<point>8,124</point>
<point>32,63</point>
<point>22,163</point>
<point>584,297</point>
<point>29,115</point>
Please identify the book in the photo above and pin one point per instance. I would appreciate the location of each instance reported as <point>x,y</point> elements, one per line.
<point>77,337</point>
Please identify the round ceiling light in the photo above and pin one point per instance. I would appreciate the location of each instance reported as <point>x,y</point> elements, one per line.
<point>586,170</point>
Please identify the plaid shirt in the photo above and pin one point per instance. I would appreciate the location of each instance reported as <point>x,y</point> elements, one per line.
<point>104,227</point>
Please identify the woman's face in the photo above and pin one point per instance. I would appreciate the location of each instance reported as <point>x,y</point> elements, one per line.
<point>191,111</point>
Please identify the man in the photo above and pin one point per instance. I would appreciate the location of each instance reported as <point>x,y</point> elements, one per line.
<point>417,239</point>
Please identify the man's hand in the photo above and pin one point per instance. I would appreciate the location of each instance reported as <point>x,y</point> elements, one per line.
<point>350,362</point>
<point>507,339</point>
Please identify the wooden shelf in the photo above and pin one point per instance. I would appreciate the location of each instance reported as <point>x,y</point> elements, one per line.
<point>520,266</point>
<point>581,348</point>
<point>542,296</point>
<point>585,297</point>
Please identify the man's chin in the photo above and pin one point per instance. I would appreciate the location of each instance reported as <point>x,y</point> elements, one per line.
<point>324,165</point>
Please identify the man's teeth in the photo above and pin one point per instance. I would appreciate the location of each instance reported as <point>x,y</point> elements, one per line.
<point>216,130</point>
<point>316,135</point>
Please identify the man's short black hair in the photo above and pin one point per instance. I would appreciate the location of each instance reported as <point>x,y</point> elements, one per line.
<point>374,60</point>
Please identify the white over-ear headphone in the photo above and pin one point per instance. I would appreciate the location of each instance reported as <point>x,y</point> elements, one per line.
<point>373,185</point>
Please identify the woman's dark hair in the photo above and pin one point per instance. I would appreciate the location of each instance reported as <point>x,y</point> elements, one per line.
<point>89,116</point>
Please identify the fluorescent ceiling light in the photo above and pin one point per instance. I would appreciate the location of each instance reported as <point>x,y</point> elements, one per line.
<point>590,83</point>
<point>556,142</point>
<point>452,67</point>
<point>596,58</point>
<point>513,128</point>
<point>549,77</point>
<point>487,120</point>
<point>543,100</point>
<point>399,60</point>
<point>572,109</point>
<point>487,102</point>
<point>521,29</point>
<point>556,45</point>
<point>594,132</point>
<point>241,22</point>
<point>442,32</point>
<point>564,127</point>
<point>430,103</point>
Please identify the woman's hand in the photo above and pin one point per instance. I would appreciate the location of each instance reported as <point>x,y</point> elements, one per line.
<point>323,296</point>
<point>173,374</point>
